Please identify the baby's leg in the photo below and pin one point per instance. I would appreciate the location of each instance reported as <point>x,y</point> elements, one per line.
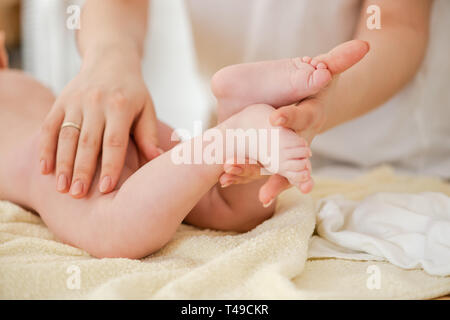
<point>260,82</point>
<point>269,82</point>
<point>144,213</point>
<point>277,83</point>
<point>281,82</point>
<point>238,207</point>
<point>132,222</point>
<point>189,191</point>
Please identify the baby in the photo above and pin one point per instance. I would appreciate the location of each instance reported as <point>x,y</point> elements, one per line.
<point>152,199</point>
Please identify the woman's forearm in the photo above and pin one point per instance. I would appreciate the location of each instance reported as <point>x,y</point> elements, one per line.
<point>397,50</point>
<point>107,25</point>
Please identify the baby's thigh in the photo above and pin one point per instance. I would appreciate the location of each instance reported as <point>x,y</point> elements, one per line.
<point>84,222</point>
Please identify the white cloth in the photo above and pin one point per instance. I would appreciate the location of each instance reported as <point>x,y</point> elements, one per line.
<point>408,230</point>
<point>410,132</point>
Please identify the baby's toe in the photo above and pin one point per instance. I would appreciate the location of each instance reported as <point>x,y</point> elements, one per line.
<point>248,170</point>
<point>307,186</point>
<point>321,65</point>
<point>297,152</point>
<point>297,178</point>
<point>272,188</point>
<point>319,78</point>
<point>226,180</point>
<point>233,169</point>
<point>295,165</point>
<point>306,59</point>
<point>314,62</point>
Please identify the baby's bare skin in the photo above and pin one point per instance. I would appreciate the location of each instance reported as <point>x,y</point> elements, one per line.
<point>137,218</point>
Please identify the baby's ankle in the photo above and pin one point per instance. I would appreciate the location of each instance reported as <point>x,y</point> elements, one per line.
<point>246,132</point>
<point>254,116</point>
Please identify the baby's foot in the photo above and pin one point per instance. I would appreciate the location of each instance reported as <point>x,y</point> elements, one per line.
<point>281,82</point>
<point>287,153</point>
<point>308,76</point>
<point>272,82</point>
<point>239,173</point>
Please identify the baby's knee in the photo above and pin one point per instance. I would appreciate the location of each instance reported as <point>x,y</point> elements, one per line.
<point>115,247</point>
<point>121,238</point>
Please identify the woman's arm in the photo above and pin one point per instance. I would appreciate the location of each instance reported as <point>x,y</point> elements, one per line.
<point>111,25</point>
<point>397,50</point>
<point>108,99</point>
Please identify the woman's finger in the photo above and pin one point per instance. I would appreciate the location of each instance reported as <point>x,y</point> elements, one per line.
<point>49,139</point>
<point>67,146</point>
<point>88,149</point>
<point>272,188</point>
<point>115,144</point>
<point>145,132</point>
<point>298,117</point>
<point>344,56</point>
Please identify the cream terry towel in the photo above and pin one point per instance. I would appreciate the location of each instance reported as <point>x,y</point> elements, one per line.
<point>267,262</point>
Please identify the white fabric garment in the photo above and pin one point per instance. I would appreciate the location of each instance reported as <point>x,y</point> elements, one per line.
<point>410,132</point>
<point>408,230</point>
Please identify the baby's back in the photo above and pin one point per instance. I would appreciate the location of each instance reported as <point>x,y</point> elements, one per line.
<point>24,103</point>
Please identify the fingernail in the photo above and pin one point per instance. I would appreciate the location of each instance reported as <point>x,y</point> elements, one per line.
<point>105,184</point>
<point>161,151</point>
<point>77,188</point>
<point>280,121</point>
<point>226,185</point>
<point>267,204</point>
<point>61,185</point>
<point>310,153</point>
<point>43,166</point>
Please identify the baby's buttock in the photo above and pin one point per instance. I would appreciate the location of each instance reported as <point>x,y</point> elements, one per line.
<point>24,103</point>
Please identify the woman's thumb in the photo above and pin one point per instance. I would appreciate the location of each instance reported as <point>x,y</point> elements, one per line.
<point>146,133</point>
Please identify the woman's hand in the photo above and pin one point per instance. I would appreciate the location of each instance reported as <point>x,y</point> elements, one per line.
<point>307,119</point>
<point>108,100</point>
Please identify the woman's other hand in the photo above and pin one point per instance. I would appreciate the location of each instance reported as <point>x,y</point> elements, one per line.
<point>108,100</point>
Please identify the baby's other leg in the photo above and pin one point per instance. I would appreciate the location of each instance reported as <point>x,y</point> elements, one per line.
<point>268,82</point>
<point>140,217</point>
<point>281,82</point>
<point>277,83</point>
